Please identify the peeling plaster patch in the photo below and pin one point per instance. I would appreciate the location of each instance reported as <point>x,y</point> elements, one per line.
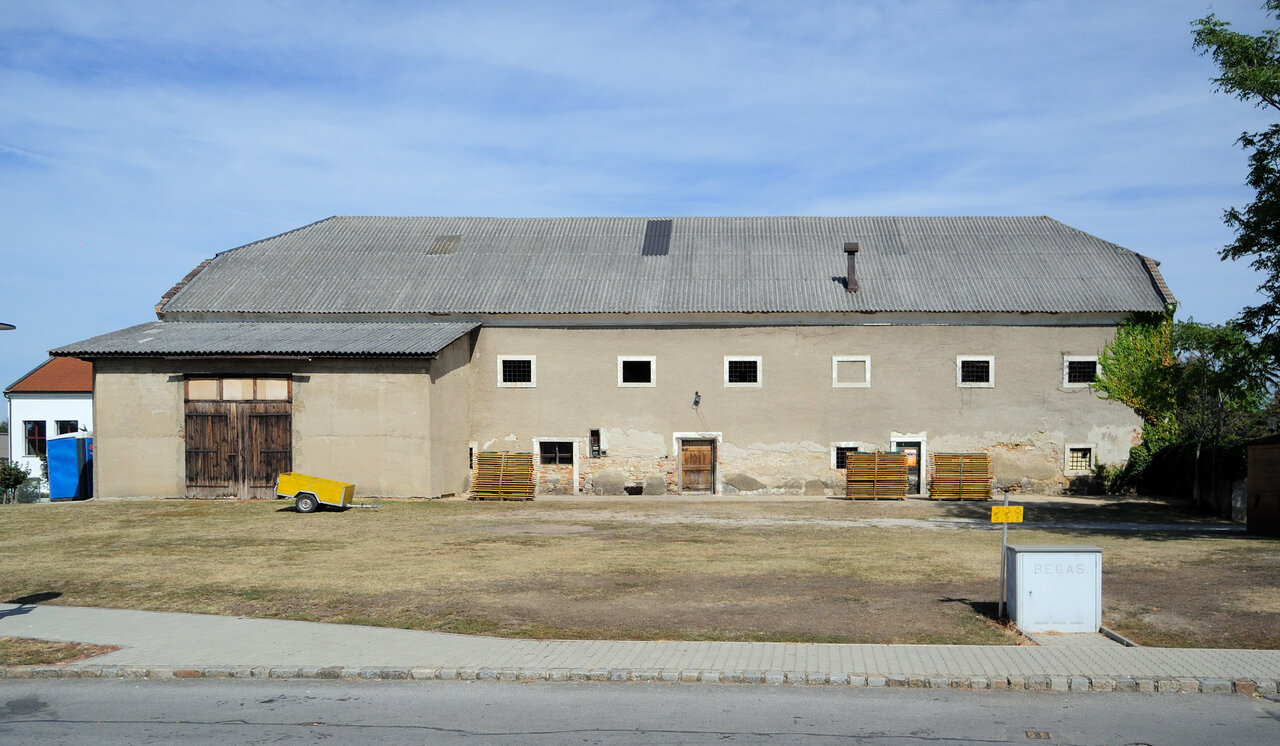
<point>488,444</point>
<point>511,438</point>
<point>631,443</point>
<point>1114,442</point>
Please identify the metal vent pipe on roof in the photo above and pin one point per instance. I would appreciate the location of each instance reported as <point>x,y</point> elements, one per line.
<point>851,279</point>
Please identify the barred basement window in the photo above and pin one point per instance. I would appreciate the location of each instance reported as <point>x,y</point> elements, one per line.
<point>742,371</point>
<point>976,371</point>
<point>842,456</point>
<point>1079,459</point>
<point>517,371</point>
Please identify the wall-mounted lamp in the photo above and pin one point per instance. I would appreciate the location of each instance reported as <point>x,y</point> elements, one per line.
<point>697,399</point>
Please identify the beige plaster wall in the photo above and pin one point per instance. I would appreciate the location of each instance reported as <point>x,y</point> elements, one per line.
<point>138,448</point>
<point>781,433</point>
<point>451,418</point>
<point>367,422</point>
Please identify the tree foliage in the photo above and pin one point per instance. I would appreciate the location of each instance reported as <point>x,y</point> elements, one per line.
<point>1249,69</point>
<point>1199,388</point>
<point>1138,370</point>
<point>12,475</point>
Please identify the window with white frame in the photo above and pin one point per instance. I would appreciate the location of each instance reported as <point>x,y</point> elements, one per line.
<point>742,371</point>
<point>1079,371</point>
<point>1079,458</point>
<point>851,371</point>
<point>517,371</point>
<point>976,371</point>
<point>637,371</point>
<point>840,455</point>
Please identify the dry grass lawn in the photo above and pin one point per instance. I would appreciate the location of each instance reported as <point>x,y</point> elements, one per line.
<point>23,651</point>
<point>824,571</point>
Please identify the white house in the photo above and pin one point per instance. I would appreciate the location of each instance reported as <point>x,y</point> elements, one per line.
<point>54,399</point>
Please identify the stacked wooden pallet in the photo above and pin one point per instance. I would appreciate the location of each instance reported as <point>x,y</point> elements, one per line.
<point>961,476</point>
<point>876,476</point>
<point>503,476</point>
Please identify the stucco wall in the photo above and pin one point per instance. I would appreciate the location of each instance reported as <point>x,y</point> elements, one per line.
<point>367,422</point>
<point>451,418</point>
<point>781,432</point>
<point>138,448</point>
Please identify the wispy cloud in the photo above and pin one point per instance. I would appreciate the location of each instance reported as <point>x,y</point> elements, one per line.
<point>137,139</point>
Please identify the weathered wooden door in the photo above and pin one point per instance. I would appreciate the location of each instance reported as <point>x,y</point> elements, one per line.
<point>697,466</point>
<point>212,455</point>
<point>236,449</point>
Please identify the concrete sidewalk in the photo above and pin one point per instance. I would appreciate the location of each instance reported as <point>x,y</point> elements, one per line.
<point>168,645</point>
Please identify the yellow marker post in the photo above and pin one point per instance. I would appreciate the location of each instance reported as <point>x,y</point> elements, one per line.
<point>1004,515</point>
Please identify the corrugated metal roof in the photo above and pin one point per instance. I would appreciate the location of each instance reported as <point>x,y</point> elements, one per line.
<point>61,375</point>
<point>711,265</point>
<point>322,339</point>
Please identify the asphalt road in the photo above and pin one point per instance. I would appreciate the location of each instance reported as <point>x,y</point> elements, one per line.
<point>252,712</point>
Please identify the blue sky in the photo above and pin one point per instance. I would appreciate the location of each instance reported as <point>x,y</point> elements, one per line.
<point>139,138</point>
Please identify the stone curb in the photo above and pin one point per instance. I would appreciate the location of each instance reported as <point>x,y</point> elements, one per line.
<point>1016,682</point>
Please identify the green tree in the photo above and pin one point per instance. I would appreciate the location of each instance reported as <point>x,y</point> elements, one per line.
<point>1224,384</point>
<point>1197,387</point>
<point>1249,68</point>
<point>12,476</point>
<point>1138,370</point>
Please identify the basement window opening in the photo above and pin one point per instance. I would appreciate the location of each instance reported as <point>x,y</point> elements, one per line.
<point>1079,459</point>
<point>842,456</point>
<point>555,452</point>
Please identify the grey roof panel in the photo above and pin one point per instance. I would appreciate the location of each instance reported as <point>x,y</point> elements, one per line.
<point>321,339</point>
<point>713,265</point>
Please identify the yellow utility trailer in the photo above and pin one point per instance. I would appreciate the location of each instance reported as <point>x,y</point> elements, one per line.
<point>309,492</point>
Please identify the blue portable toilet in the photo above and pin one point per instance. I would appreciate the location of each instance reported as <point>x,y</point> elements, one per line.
<point>70,466</point>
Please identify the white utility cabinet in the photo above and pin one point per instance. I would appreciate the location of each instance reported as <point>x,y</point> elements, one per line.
<point>1054,588</point>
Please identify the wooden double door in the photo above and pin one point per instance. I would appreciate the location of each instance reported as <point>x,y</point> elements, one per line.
<point>236,448</point>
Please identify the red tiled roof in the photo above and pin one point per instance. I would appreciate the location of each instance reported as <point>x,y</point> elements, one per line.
<point>59,375</point>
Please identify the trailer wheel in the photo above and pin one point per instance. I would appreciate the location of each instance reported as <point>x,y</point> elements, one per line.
<point>306,503</point>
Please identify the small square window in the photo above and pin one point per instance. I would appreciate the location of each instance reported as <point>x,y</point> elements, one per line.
<point>742,371</point>
<point>66,427</point>
<point>1079,371</point>
<point>851,371</point>
<point>637,371</point>
<point>976,371</point>
<point>1079,459</point>
<point>515,371</point>
<point>842,455</point>
<point>556,451</point>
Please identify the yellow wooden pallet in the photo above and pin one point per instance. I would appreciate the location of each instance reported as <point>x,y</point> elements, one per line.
<point>503,476</point>
<point>960,476</point>
<point>876,476</point>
